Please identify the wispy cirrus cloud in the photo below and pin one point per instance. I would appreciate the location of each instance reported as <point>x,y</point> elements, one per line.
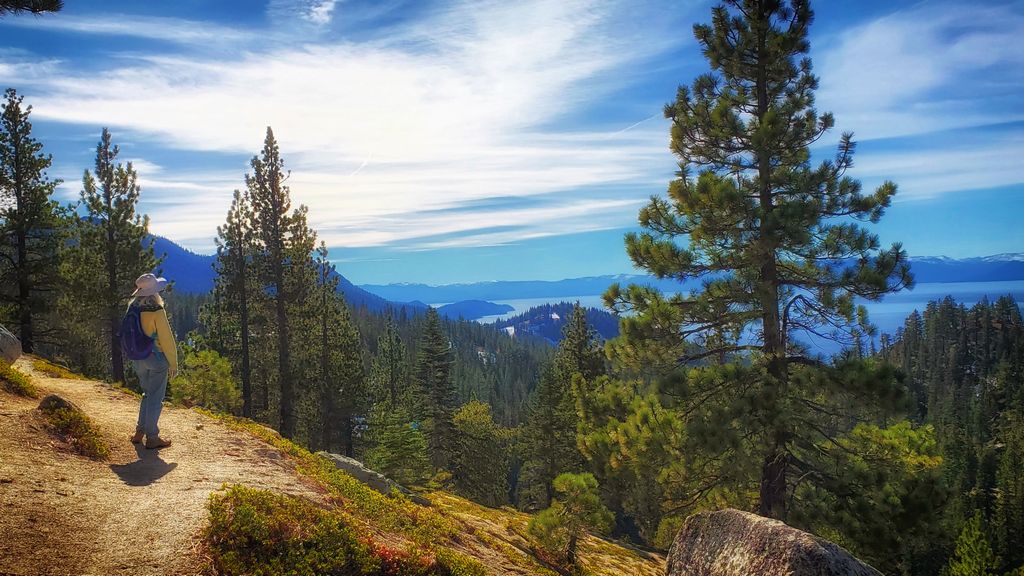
<point>932,66</point>
<point>402,132</point>
<point>176,30</point>
<point>443,111</point>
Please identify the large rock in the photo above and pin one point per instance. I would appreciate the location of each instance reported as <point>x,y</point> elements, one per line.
<point>52,403</point>
<point>10,346</point>
<point>735,543</point>
<point>371,478</point>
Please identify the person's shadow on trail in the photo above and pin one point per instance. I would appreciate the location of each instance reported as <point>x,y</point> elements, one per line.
<point>147,469</point>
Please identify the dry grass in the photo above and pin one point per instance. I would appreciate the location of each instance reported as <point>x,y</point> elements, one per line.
<point>79,431</point>
<point>52,370</point>
<point>14,381</point>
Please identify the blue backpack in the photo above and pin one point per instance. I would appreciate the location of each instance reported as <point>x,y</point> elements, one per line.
<point>136,344</point>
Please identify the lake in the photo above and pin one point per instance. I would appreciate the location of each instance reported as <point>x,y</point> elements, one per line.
<point>888,314</point>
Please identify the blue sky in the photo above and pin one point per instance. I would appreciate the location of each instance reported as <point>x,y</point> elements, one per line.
<point>447,142</point>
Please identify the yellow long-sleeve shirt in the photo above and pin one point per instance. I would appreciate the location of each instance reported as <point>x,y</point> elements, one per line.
<point>156,325</point>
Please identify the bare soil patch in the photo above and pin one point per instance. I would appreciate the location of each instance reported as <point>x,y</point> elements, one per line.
<point>138,513</point>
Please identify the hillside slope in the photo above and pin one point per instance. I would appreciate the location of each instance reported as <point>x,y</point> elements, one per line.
<point>143,512</point>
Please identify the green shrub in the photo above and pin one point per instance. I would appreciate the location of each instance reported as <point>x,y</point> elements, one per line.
<point>53,370</point>
<point>451,563</point>
<point>398,450</point>
<point>396,514</point>
<point>78,431</point>
<point>480,459</point>
<point>207,381</point>
<point>15,382</point>
<point>262,533</point>
<point>668,528</point>
<point>577,508</point>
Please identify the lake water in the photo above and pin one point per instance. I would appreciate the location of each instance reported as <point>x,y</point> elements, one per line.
<point>888,314</point>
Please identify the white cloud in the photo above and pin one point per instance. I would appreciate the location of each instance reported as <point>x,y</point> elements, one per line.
<point>934,66</point>
<point>177,30</point>
<point>443,112</point>
<point>976,163</point>
<point>321,12</point>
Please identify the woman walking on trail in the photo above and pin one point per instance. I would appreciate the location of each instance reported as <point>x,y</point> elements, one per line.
<point>155,369</point>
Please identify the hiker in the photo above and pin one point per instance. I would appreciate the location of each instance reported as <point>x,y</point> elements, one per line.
<point>160,364</point>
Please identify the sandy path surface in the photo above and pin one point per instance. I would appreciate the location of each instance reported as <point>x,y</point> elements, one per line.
<point>138,513</point>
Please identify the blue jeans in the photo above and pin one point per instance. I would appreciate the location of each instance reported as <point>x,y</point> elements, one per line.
<point>152,373</point>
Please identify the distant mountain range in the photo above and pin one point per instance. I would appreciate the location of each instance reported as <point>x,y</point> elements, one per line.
<point>1000,267</point>
<point>193,273</point>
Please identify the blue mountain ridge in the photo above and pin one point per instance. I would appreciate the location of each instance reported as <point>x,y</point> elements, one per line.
<point>1000,267</point>
<point>193,273</point>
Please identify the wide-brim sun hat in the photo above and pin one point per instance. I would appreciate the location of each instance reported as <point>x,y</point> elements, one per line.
<point>148,284</point>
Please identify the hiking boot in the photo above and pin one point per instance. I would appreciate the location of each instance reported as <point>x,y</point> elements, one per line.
<point>157,442</point>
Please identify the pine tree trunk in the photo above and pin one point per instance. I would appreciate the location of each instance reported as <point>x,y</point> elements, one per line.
<point>283,354</point>
<point>243,297</point>
<point>327,401</point>
<point>773,471</point>
<point>570,553</point>
<point>24,293</point>
<point>347,444</point>
<point>116,360</point>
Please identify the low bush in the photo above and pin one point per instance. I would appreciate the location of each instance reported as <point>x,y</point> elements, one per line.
<point>78,431</point>
<point>263,533</point>
<point>206,380</point>
<point>576,509</point>
<point>391,513</point>
<point>53,370</point>
<point>15,382</point>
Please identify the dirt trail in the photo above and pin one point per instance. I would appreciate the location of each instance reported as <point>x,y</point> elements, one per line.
<point>138,513</point>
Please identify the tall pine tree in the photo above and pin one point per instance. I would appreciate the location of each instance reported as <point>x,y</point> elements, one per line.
<point>389,372</point>
<point>773,239</point>
<point>284,245</point>
<point>480,458</point>
<point>110,246</point>
<point>343,396</point>
<point>549,439</point>
<point>232,288</point>
<point>31,227</point>
<point>436,401</point>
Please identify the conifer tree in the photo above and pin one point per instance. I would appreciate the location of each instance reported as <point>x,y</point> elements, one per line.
<point>579,351</point>
<point>774,240</point>
<point>398,449</point>
<point>110,249</point>
<point>389,373</point>
<point>282,258</point>
<point>480,459</point>
<point>342,386</point>
<point>577,509</point>
<point>549,441</point>
<point>31,228</point>
<point>30,6</point>
<point>436,393</point>
<point>965,367</point>
<point>974,555</point>
<point>233,266</point>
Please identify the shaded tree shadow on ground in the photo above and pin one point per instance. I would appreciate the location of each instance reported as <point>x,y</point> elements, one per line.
<point>147,469</point>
